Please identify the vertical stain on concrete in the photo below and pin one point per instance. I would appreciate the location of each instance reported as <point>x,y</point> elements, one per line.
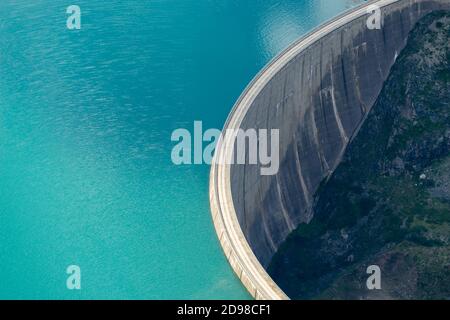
<point>335,110</point>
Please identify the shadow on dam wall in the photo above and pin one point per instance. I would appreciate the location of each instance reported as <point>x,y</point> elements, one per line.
<point>318,98</point>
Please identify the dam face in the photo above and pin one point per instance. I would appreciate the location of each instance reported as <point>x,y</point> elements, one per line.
<point>317,93</point>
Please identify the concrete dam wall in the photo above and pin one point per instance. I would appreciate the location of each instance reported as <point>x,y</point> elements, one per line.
<point>317,93</point>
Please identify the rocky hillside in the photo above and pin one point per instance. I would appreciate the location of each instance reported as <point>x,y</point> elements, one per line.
<point>388,202</point>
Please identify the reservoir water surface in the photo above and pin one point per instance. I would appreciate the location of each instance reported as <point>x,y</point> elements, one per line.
<point>86,116</point>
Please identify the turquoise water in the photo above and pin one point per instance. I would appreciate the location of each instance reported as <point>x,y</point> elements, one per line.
<point>86,116</point>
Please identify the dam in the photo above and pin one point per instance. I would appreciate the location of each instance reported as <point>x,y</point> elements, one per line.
<point>318,93</point>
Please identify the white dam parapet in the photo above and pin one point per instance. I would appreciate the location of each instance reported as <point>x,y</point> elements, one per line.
<point>254,214</point>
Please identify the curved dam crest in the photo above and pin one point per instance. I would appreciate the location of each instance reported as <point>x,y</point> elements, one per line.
<point>317,93</point>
